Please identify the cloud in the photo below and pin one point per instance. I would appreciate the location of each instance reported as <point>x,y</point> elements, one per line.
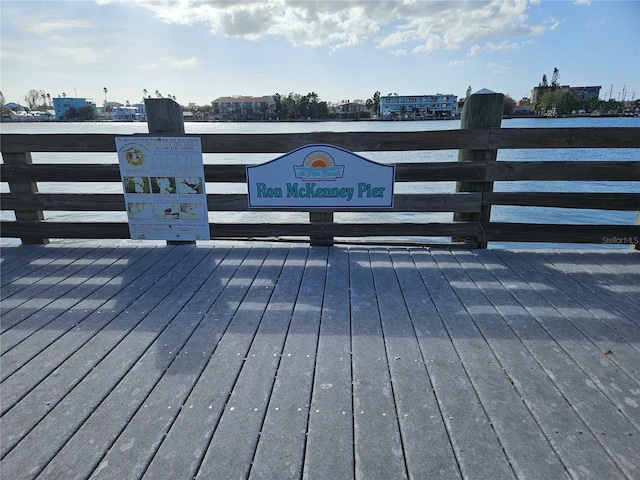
<point>582,2</point>
<point>404,25</point>
<point>498,69</point>
<point>183,64</point>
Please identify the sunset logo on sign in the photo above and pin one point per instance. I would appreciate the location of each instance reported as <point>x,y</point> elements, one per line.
<point>318,166</point>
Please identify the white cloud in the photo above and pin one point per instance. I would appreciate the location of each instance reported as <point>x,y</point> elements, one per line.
<point>582,2</point>
<point>417,26</point>
<point>498,69</point>
<point>183,64</point>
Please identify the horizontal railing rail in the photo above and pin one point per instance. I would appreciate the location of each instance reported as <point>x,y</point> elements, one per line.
<point>29,205</point>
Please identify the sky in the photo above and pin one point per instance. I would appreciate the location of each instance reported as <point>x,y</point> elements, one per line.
<point>198,50</point>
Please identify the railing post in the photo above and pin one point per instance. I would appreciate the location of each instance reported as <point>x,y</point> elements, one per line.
<point>636,246</point>
<point>24,158</point>
<point>482,110</point>
<point>321,217</point>
<point>164,117</point>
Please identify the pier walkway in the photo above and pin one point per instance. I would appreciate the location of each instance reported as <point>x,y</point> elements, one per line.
<point>123,360</point>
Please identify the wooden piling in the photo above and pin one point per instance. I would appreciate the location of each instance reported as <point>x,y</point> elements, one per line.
<point>19,159</point>
<point>164,117</point>
<point>481,110</point>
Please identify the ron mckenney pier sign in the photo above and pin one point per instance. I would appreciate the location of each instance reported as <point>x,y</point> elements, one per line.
<point>321,176</point>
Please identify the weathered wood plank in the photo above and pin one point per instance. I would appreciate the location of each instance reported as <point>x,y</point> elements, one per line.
<point>526,359</point>
<point>448,340</point>
<point>39,445</point>
<point>165,401</point>
<point>280,451</point>
<point>555,233</point>
<point>355,141</point>
<point>611,266</point>
<point>574,170</point>
<point>425,440</point>
<point>261,142</point>
<point>594,137</point>
<point>44,327</point>
<point>429,202</point>
<point>331,424</point>
<point>213,373</point>
<point>605,323</point>
<point>601,201</point>
<point>247,230</point>
<point>571,370</point>
<point>378,444</point>
<point>405,172</point>
<point>236,436</point>
<point>49,292</point>
<point>232,446</point>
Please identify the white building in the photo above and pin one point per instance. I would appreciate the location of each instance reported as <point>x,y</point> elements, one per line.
<point>438,106</point>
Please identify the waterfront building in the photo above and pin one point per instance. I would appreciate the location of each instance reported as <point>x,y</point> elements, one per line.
<point>438,106</point>
<point>352,110</point>
<point>242,108</point>
<point>62,105</point>
<point>584,92</point>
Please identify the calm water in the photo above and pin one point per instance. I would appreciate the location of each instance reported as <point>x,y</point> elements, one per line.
<point>506,214</point>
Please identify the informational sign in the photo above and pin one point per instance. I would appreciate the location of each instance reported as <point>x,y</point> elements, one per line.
<point>320,176</point>
<point>164,187</point>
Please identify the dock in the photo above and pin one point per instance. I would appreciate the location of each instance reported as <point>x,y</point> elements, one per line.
<point>228,360</point>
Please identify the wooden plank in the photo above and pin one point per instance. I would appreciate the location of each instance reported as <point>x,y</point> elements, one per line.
<point>260,142</point>
<point>524,444</point>
<point>606,322</point>
<point>574,170</point>
<point>613,265</point>
<point>249,230</point>
<point>556,233</point>
<point>238,427</point>
<point>594,137</point>
<point>571,370</point>
<point>601,201</point>
<point>44,327</point>
<point>228,173</point>
<point>49,292</point>
<point>429,202</point>
<point>39,445</point>
<point>497,138</point>
<point>280,451</point>
<point>331,424</point>
<point>425,440</point>
<point>24,186</point>
<point>147,428</point>
<point>31,260</point>
<point>378,444</point>
<point>532,359</point>
<point>238,432</point>
<point>449,340</point>
<point>210,377</point>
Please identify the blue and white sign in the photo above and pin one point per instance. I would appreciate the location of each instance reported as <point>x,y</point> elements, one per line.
<point>321,176</point>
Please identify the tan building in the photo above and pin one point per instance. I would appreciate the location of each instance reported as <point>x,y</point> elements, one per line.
<point>240,107</point>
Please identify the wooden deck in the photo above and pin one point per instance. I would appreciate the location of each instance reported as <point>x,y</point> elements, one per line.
<point>217,361</point>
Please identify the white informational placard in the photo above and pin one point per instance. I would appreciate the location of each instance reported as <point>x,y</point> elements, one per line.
<point>321,176</point>
<point>164,187</point>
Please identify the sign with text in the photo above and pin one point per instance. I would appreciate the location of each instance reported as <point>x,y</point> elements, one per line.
<point>320,176</point>
<point>164,187</point>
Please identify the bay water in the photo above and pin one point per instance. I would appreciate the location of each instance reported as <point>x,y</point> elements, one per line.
<point>499,213</point>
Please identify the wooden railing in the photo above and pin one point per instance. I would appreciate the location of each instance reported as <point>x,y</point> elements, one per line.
<point>32,226</point>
